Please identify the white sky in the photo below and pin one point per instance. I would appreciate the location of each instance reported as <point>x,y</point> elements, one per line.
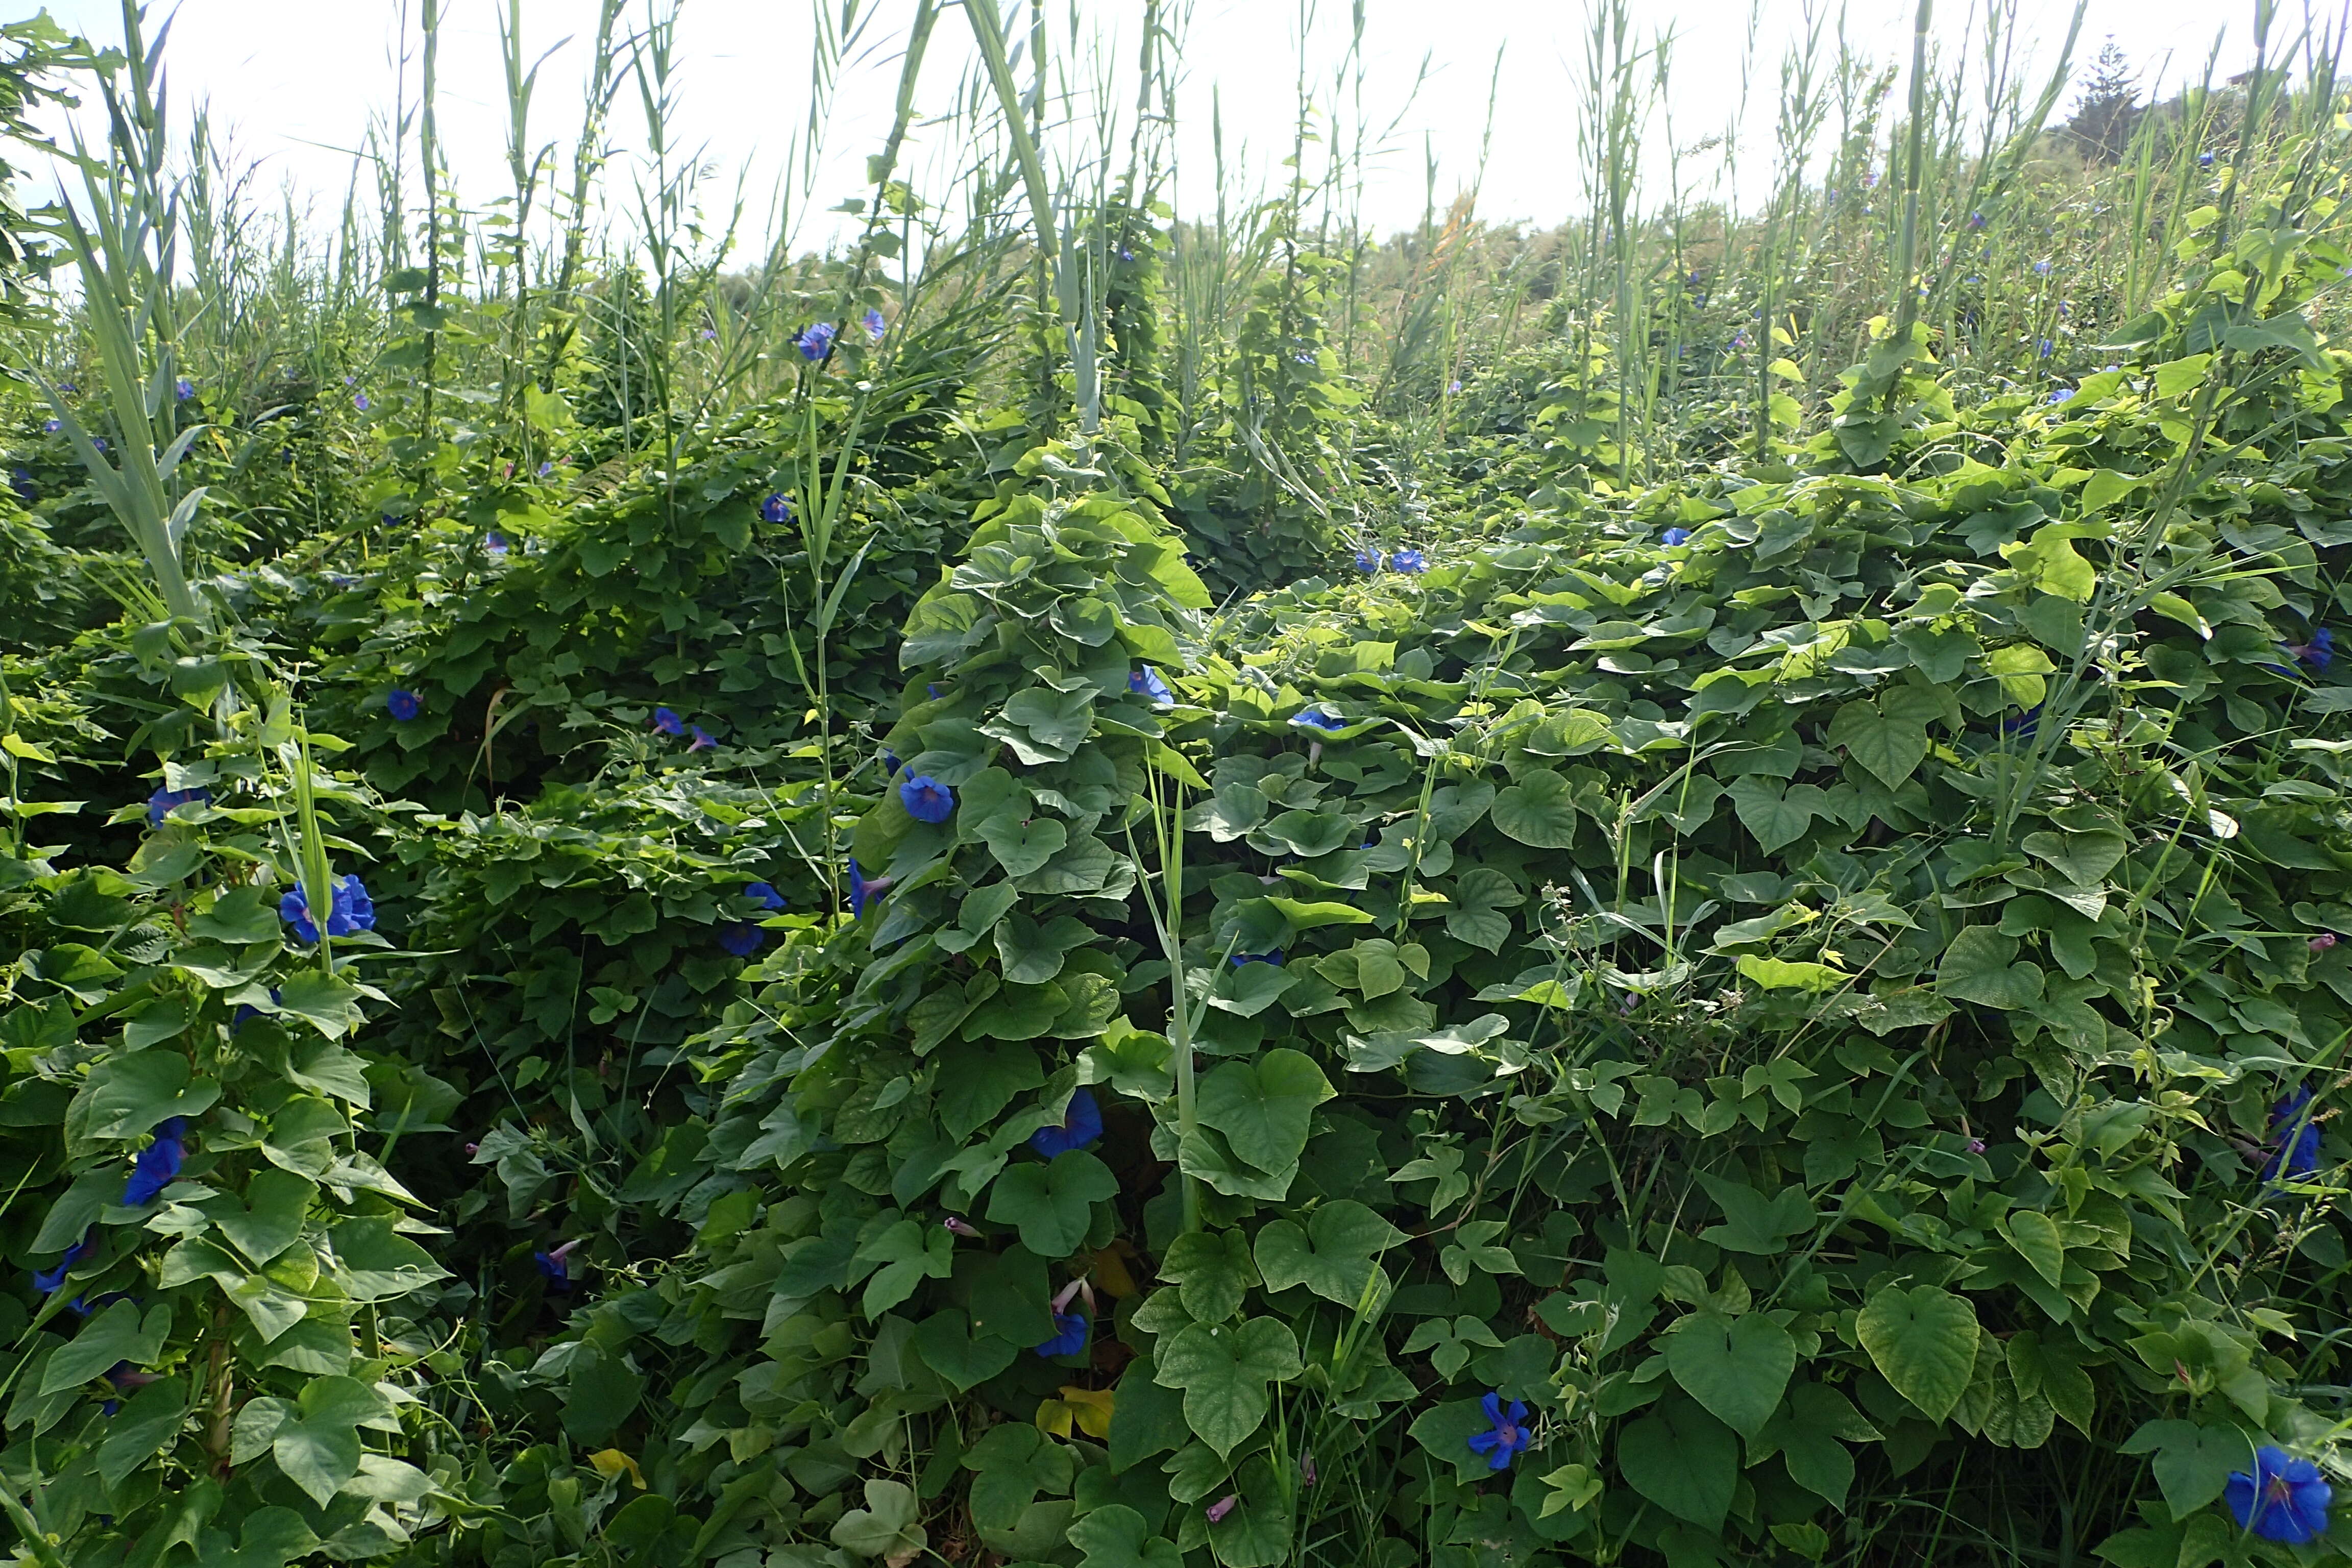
<point>297,80</point>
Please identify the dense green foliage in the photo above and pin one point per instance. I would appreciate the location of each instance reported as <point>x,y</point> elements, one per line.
<point>1277,913</point>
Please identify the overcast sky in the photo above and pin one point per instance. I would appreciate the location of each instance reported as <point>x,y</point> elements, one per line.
<point>297,81</point>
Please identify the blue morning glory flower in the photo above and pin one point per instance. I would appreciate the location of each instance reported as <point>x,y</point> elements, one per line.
<point>1675,536</point>
<point>817,341</point>
<point>764,895</point>
<point>183,389</point>
<point>1315,719</point>
<point>865,890</point>
<point>161,803</point>
<point>890,764</point>
<point>1146,682</point>
<point>2318,651</point>
<point>555,1267</point>
<point>2041,267</point>
<point>1509,1436</point>
<point>1369,561</point>
<point>21,482</point>
<point>2284,1500</point>
<point>157,1164</point>
<point>545,470</point>
<point>1081,1127</point>
<point>703,739</point>
<point>2060,395</point>
<point>926,799</point>
<point>496,545</point>
<point>49,426</point>
<point>777,508</point>
<point>2042,351</point>
<point>360,401</point>
<point>2023,724</point>
<point>876,326</point>
<point>2204,160</point>
<point>2297,1156</point>
<point>1409,561</point>
<point>742,938</point>
<point>667,722</point>
<point>403,704</point>
<point>98,442</point>
<point>1272,955</point>
<point>353,911</point>
<point>1975,220</point>
<point>1069,1335</point>
<point>47,1281</point>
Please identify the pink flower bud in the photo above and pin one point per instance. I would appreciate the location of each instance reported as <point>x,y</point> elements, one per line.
<point>1222,1507</point>
<point>955,1225</point>
<point>1976,1146</point>
<point>2322,941</point>
<point>1307,1470</point>
<point>472,1149</point>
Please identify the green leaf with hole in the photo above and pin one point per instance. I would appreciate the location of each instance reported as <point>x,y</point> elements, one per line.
<point>1022,843</point>
<point>1737,1367</point>
<point>1051,1201</point>
<point>1224,1370</point>
<point>1263,1107</point>
<point>1539,810</point>
<point>1924,1340</point>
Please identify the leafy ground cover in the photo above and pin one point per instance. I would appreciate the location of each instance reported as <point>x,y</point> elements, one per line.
<point>1108,891</point>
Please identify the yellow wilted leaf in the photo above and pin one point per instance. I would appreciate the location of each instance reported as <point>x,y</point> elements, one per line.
<point>1092,1407</point>
<point>611,1463</point>
<point>1055,1417</point>
<point>1111,1271</point>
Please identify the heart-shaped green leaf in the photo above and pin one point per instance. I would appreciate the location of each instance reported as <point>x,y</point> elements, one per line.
<point>1924,1340</point>
<point>1737,1367</point>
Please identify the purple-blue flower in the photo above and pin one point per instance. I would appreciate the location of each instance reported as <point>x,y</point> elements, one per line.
<point>1147,682</point>
<point>20,479</point>
<point>865,890</point>
<point>2023,724</point>
<point>496,543</point>
<point>777,508</point>
<point>2299,1154</point>
<point>403,704</point>
<point>890,764</point>
<point>353,911</point>
<point>1509,1436</point>
<point>2059,394</point>
<point>1069,1335</point>
<point>183,389</point>
<point>876,326</point>
<point>157,1164</point>
<point>2318,651</point>
<point>360,401</point>
<point>2041,267</point>
<point>2041,349</point>
<point>1081,1127</point>
<point>1315,719</point>
<point>742,938</point>
<point>48,1279</point>
<point>2284,1500</point>
<point>703,739</point>
<point>49,426</point>
<point>1272,957</point>
<point>1409,561</point>
<point>817,341</point>
<point>925,799</point>
<point>1369,561</point>
<point>1675,536</point>
<point>555,1268</point>
<point>764,895</point>
<point>162,803</point>
<point>667,722</point>
<point>1975,220</point>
